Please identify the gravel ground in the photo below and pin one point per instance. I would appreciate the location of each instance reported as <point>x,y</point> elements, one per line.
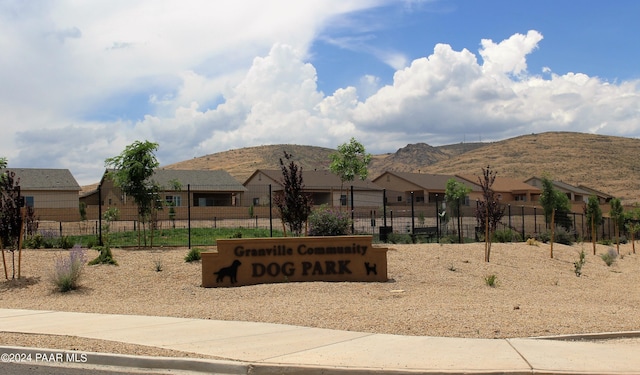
<point>433,290</point>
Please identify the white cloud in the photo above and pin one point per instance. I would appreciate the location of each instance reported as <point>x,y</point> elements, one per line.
<point>202,84</point>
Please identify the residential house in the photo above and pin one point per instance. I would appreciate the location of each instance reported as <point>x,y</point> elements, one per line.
<point>324,187</point>
<point>603,198</point>
<point>425,187</point>
<point>201,189</point>
<point>510,190</point>
<point>53,193</point>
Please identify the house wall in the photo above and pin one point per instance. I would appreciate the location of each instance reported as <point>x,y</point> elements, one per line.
<point>54,205</point>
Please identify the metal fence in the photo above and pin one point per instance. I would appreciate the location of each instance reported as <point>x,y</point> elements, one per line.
<point>186,221</point>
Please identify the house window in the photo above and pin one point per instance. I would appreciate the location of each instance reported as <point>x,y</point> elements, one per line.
<point>173,200</point>
<point>256,201</point>
<point>28,201</point>
<point>343,200</point>
<point>419,199</point>
<point>212,199</point>
<point>399,198</point>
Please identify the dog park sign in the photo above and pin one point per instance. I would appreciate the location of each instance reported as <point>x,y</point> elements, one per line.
<point>248,261</point>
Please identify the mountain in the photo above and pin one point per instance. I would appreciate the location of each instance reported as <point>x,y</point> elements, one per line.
<point>605,163</point>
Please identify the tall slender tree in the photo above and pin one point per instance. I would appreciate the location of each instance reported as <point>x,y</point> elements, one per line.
<point>132,171</point>
<point>11,218</point>
<point>293,203</point>
<point>488,211</point>
<point>617,215</point>
<point>455,193</point>
<point>593,214</point>
<point>350,161</point>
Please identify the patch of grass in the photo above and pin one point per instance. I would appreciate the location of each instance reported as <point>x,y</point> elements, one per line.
<point>158,266</point>
<point>105,256</point>
<point>609,257</point>
<point>491,280</point>
<point>193,255</point>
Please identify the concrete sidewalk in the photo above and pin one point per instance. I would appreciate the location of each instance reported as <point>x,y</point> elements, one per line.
<point>261,348</point>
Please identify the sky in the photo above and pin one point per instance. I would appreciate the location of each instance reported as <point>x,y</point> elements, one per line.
<point>81,80</point>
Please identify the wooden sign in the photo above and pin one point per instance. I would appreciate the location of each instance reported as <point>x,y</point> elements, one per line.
<point>248,261</point>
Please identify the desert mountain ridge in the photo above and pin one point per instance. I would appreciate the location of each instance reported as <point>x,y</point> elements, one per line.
<point>605,163</point>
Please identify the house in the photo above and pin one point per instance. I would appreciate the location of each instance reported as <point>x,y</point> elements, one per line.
<point>324,187</point>
<point>603,198</point>
<point>574,193</point>
<point>510,190</point>
<point>426,188</point>
<point>53,193</point>
<point>201,189</point>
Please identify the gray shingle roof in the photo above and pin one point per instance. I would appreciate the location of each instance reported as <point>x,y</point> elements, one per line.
<point>45,179</point>
<point>321,180</point>
<point>216,180</point>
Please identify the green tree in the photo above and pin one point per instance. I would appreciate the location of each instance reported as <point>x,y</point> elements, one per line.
<point>593,214</point>
<point>555,202</point>
<point>11,219</point>
<point>488,212</point>
<point>132,171</point>
<point>632,224</point>
<point>617,215</point>
<point>350,161</point>
<point>293,203</point>
<point>455,193</point>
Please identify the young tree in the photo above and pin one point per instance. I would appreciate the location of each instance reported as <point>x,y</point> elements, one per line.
<point>632,224</point>
<point>455,193</point>
<point>349,161</point>
<point>11,218</point>
<point>488,212</point>
<point>294,204</point>
<point>617,215</point>
<point>593,214</point>
<point>555,202</point>
<point>132,171</point>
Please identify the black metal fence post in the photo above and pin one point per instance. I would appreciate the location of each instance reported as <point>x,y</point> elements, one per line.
<point>352,213</point>
<point>189,215</point>
<point>270,213</point>
<point>100,215</point>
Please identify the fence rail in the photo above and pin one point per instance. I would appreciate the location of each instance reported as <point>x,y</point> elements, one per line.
<point>370,213</point>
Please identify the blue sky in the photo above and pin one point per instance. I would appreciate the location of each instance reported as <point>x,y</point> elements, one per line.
<point>80,81</point>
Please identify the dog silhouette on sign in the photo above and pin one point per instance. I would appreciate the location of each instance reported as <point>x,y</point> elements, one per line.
<point>231,272</point>
<point>371,268</point>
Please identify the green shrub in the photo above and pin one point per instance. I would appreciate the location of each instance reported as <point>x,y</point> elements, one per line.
<point>398,238</point>
<point>560,235</point>
<point>67,271</point>
<point>506,235</point>
<point>105,257</point>
<point>65,242</point>
<point>193,255</point>
<point>491,280</point>
<point>325,221</point>
<point>609,257</point>
<point>579,263</point>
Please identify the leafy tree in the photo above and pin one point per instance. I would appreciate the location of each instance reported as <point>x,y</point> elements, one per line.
<point>349,161</point>
<point>294,204</point>
<point>555,202</point>
<point>489,212</point>
<point>593,214</point>
<point>132,171</point>
<point>11,219</point>
<point>632,224</point>
<point>617,215</point>
<point>455,193</point>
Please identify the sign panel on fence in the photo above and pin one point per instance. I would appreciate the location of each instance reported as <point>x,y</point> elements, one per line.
<point>247,261</point>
